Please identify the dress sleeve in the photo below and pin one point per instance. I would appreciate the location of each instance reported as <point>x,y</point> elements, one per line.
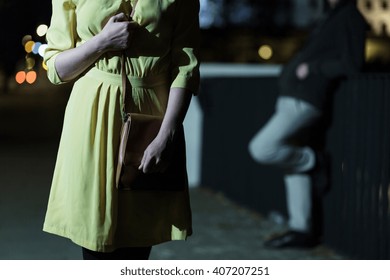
<point>185,46</point>
<point>60,36</point>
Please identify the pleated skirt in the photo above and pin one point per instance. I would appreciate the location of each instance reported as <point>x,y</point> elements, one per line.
<point>84,204</point>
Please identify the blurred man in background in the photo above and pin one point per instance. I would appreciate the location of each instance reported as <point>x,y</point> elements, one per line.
<point>334,50</point>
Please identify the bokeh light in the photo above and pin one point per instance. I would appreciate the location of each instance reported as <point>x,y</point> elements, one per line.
<point>20,77</point>
<point>41,30</point>
<point>25,39</point>
<point>31,77</point>
<point>36,47</point>
<point>265,52</point>
<point>42,49</point>
<point>44,65</point>
<point>30,63</point>
<point>29,46</point>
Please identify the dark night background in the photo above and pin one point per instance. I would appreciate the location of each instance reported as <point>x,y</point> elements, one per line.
<point>18,18</point>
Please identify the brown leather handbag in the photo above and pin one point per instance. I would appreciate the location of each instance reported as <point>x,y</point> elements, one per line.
<point>138,131</point>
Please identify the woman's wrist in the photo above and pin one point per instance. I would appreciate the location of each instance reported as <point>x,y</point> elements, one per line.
<point>166,133</point>
<point>99,44</point>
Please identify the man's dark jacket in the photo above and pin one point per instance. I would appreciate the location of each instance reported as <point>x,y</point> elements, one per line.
<point>335,49</point>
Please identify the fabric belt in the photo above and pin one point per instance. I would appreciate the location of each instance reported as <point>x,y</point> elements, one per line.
<point>136,82</point>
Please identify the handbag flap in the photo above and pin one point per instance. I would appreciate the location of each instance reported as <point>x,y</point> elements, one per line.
<point>142,130</point>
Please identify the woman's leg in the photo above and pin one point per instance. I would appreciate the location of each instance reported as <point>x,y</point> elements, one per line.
<point>130,253</point>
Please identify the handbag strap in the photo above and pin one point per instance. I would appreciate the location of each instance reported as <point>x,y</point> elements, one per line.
<point>123,72</point>
<point>124,82</point>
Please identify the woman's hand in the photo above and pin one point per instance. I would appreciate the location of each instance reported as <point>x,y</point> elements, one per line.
<point>302,71</point>
<point>157,155</point>
<point>117,33</point>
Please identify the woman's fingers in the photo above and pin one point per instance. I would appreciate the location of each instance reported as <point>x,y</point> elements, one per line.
<point>146,166</point>
<point>152,164</point>
<point>118,33</point>
<point>118,17</point>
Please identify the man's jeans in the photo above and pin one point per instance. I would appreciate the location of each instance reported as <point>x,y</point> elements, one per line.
<point>272,146</point>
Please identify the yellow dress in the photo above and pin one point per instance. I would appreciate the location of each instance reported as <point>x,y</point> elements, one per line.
<point>84,204</point>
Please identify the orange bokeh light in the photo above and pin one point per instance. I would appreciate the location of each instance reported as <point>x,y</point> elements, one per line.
<point>20,77</point>
<point>31,77</point>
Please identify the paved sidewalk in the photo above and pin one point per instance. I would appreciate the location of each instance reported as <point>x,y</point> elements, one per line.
<point>225,231</point>
<point>222,229</point>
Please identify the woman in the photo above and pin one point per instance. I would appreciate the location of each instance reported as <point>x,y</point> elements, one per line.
<point>85,42</point>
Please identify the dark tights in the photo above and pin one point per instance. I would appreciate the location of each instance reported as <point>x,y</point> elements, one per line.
<point>131,253</point>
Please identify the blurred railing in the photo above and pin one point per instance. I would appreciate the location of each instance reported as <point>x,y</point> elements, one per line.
<point>357,206</point>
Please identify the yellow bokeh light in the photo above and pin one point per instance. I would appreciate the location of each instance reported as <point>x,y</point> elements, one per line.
<point>29,46</point>
<point>265,52</point>
<point>30,63</point>
<point>20,77</point>
<point>25,39</point>
<point>41,30</point>
<point>31,77</point>
<point>44,65</point>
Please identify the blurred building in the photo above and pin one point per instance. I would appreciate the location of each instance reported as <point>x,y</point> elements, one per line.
<point>253,31</point>
<point>291,13</point>
<point>305,12</point>
<point>271,31</point>
<point>377,14</point>
<point>254,13</point>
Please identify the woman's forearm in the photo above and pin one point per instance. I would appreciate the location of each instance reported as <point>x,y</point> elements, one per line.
<point>115,36</point>
<point>179,100</point>
<point>71,63</point>
<point>178,103</point>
